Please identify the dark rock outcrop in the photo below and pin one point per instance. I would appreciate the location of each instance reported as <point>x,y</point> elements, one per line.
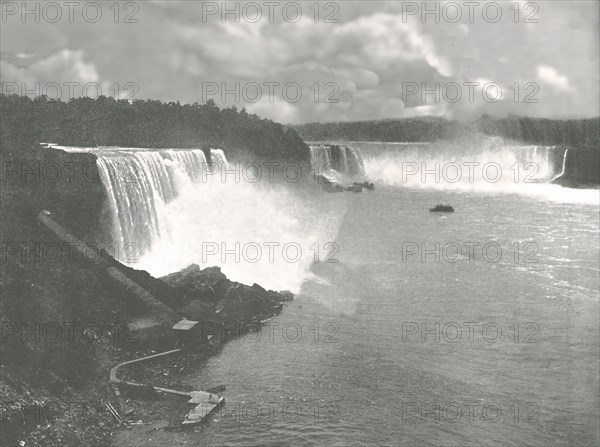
<point>35,178</point>
<point>229,302</point>
<point>582,168</point>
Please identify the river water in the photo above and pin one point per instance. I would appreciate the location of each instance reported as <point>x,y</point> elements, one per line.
<point>478,327</point>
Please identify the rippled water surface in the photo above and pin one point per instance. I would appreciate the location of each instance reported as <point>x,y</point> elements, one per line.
<point>451,346</point>
<point>473,328</point>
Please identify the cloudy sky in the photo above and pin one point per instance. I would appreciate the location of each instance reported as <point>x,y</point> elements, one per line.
<point>353,61</point>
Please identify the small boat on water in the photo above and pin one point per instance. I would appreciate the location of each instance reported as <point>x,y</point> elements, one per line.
<point>442,209</point>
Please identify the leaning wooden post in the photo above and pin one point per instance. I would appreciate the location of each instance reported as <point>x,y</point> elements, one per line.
<point>159,310</point>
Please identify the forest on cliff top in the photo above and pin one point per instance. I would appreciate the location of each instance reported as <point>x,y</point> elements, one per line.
<point>108,122</point>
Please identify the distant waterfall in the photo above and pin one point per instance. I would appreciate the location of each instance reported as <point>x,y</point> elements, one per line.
<point>564,167</point>
<point>139,182</point>
<point>218,158</point>
<point>344,160</point>
<point>456,166</point>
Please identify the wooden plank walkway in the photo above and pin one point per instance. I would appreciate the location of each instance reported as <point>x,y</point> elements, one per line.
<point>206,403</point>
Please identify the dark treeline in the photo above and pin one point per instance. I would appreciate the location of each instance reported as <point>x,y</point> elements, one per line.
<point>583,132</point>
<point>108,122</point>
<point>409,129</point>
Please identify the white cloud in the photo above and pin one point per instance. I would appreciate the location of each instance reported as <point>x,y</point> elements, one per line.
<point>384,40</point>
<point>64,66</point>
<point>279,110</point>
<point>61,68</point>
<point>551,77</point>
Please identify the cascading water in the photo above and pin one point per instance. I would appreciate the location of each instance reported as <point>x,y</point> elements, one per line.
<point>346,161</point>
<point>218,158</point>
<point>491,167</point>
<point>356,162</point>
<point>178,209</point>
<point>564,167</point>
<point>433,167</point>
<point>139,183</point>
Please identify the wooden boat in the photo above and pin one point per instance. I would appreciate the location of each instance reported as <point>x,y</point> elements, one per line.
<point>442,209</point>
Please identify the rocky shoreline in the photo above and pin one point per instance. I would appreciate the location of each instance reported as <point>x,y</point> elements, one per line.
<point>65,324</point>
<point>52,407</point>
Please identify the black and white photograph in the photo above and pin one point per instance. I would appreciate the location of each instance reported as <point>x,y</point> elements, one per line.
<point>299,223</point>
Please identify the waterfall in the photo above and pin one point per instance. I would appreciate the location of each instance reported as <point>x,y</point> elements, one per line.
<point>489,166</point>
<point>356,164</point>
<point>319,157</point>
<point>564,166</point>
<point>218,158</point>
<point>344,160</point>
<point>140,182</point>
<point>506,167</point>
<point>178,209</point>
